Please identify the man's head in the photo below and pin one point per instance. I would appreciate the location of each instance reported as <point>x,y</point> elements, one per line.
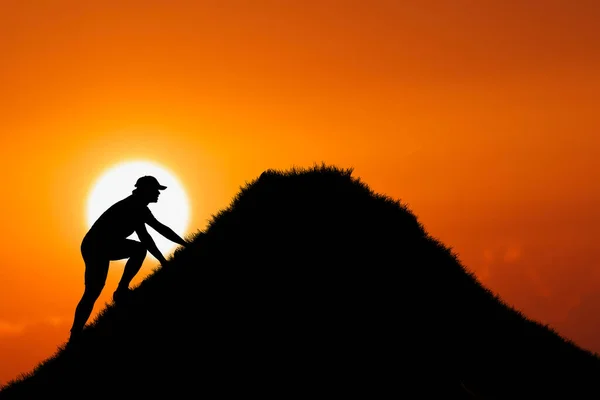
<point>149,188</point>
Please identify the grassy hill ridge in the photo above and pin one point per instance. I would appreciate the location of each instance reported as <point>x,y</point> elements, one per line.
<point>310,283</point>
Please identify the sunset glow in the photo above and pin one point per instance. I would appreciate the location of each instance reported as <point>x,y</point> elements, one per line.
<point>117,183</point>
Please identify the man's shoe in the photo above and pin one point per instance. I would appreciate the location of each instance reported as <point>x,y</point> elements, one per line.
<point>74,338</point>
<point>121,295</point>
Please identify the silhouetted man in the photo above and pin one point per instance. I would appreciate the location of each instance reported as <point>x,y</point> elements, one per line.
<point>107,240</point>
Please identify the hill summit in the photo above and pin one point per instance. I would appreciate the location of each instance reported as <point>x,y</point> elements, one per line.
<point>311,284</point>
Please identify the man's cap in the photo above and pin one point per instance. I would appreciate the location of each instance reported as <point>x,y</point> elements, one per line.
<point>149,182</point>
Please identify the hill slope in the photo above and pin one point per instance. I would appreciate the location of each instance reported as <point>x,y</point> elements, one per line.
<point>310,283</point>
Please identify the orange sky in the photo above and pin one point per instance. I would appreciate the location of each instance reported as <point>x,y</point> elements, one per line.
<point>481,115</point>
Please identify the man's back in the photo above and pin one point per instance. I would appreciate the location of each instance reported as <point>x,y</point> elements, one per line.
<point>119,221</point>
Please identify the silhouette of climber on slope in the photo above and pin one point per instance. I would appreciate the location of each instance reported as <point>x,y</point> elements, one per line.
<point>107,240</point>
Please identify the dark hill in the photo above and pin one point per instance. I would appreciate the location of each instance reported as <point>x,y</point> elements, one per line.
<point>311,284</point>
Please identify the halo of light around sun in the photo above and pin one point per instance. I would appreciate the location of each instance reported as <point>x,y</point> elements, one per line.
<point>116,183</point>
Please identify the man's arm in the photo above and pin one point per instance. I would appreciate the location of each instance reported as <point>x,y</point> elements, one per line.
<point>147,240</point>
<point>166,231</point>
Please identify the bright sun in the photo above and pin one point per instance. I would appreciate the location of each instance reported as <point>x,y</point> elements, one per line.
<point>172,208</point>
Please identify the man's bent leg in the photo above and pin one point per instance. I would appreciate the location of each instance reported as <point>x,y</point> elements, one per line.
<point>136,252</point>
<point>95,278</point>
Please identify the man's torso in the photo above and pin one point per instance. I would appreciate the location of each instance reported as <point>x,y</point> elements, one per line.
<point>119,221</point>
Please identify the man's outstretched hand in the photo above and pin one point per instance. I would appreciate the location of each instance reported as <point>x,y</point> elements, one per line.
<point>163,262</point>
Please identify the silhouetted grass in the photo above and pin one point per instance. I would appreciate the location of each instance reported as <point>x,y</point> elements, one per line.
<point>311,284</point>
